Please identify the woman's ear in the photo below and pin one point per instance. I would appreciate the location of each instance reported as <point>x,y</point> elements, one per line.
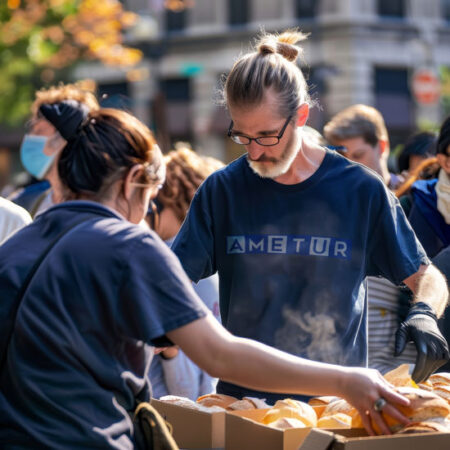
<point>132,177</point>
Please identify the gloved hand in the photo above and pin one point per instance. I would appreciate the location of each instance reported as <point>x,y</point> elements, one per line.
<point>420,326</point>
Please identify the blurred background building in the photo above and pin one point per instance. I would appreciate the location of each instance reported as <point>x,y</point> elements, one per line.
<point>358,51</point>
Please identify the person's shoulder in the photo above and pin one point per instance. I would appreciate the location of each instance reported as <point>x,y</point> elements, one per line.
<point>226,176</point>
<point>353,171</point>
<point>14,212</point>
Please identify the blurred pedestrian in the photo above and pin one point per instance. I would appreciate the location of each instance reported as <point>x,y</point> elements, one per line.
<point>80,321</point>
<point>12,218</point>
<point>428,203</point>
<point>172,372</point>
<point>293,229</point>
<point>361,132</point>
<point>419,147</point>
<point>42,144</point>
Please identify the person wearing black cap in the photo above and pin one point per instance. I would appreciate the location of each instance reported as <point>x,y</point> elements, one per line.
<point>52,123</point>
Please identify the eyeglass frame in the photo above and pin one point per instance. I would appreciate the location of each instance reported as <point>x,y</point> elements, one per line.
<point>250,139</point>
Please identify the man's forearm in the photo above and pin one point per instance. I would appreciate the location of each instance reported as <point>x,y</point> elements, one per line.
<point>431,288</point>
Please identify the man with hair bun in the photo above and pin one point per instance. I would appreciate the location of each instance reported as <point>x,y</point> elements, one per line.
<point>293,229</point>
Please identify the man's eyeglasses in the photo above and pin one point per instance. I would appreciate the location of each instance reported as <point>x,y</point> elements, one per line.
<point>266,141</point>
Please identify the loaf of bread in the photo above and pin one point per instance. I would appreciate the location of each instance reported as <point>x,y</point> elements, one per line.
<point>424,427</point>
<point>338,406</point>
<point>339,420</point>
<point>320,403</point>
<point>424,405</point>
<point>287,422</point>
<point>440,378</point>
<point>293,409</point>
<point>216,400</point>
<point>400,377</point>
<point>248,403</point>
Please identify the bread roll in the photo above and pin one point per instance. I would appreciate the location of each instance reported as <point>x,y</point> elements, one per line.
<point>291,409</point>
<point>443,391</point>
<point>320,403</point>
<point>338,420</point>
<point>216,400</point>
<point>248,403</point>
<point>426,385</point>
<point>179,401</point>
<point>286,422</point>
<point>442,378</point>
<point>424,427</point>
<point>338,406</point>
<point>400,377</point>
<point>424,406</point>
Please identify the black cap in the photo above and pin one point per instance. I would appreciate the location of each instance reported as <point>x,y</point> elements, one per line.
<point>65,116</point>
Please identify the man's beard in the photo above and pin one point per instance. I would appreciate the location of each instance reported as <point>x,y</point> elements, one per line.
<point>275,167</point>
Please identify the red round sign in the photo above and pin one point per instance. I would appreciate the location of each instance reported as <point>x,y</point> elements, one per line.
<point>426,86</point>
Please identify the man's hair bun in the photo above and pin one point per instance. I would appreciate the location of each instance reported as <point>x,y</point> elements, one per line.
<point>288,51</point>
<point>283,44</point>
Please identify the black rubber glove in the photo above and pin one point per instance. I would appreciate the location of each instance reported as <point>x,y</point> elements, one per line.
<point>420,326</point>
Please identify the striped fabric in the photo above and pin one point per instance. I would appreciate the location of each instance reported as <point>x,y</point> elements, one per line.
<point>383,323</point>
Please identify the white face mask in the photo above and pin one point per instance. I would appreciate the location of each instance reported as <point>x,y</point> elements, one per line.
<point>443,195</point>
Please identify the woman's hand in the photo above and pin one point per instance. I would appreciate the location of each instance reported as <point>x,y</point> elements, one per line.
<point>362,388</point>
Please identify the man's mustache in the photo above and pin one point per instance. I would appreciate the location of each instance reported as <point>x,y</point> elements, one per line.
<point>262,158</point>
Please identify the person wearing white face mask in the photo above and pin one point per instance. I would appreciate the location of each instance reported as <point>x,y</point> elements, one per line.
<point>293,229</point>
<point>428,203</point>
<point>43,143</point>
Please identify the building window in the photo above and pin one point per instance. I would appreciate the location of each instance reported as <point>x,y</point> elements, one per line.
<point>393,99</point>
<point>391,8</point>
<point>305,9</point>
<point>174,110</point>
<point>238,12</point>
<point>445,5</point>
<point>176,20</point>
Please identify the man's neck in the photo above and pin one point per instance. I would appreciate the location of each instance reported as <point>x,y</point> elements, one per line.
<point>308,160</point>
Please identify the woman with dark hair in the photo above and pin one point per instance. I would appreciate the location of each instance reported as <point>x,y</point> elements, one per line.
<point>427,205</point>
<point>417,148</point>
<point>87,294</point>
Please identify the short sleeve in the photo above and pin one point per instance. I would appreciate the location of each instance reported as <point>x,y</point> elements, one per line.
<point>394,252</point>
<point>156,295</point>
<point>194,244</point>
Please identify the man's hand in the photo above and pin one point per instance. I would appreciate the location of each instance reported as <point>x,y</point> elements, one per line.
<point>420,326</point>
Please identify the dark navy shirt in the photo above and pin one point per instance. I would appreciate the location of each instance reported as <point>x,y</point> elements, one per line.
<point>82,342</point>
<point>292,259</point>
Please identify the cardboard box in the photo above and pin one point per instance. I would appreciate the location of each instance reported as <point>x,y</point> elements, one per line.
<point>319,439</point>
<point>194,429</point>
<point>242,432</point>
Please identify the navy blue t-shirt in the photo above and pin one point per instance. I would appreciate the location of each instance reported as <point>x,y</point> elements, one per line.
<point>292,259</point>
<point>82,343</point>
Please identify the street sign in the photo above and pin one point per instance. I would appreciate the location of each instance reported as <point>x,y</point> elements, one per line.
<point>426,87</point>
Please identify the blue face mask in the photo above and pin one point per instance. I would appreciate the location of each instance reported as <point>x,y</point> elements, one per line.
<point>32,155</point>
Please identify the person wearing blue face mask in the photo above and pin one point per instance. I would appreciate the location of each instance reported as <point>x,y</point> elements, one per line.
<point>45,139</point>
